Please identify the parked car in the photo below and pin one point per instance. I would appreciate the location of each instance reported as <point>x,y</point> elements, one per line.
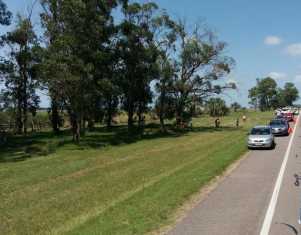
<point>261,137</point>
<point>289,116</point>
<point>296,112</point>
<point>279,127</point>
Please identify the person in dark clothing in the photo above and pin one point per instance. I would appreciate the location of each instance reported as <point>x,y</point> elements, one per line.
<point>237,122</point>
<point>217,123</point>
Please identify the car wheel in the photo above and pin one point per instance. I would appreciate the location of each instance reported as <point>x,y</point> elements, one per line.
<point>273,145</point>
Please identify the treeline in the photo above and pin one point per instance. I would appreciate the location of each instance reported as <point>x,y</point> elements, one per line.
<point>100,56</point>
<point>266,95</point>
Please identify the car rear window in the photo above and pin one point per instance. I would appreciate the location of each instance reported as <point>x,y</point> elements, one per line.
<point>277,123</point>
<point>260,131</point>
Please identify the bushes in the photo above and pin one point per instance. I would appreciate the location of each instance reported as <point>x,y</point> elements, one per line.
<point>37,122</point>
<point>217,107</point>
<point>6,117</point>
<point>44,149</point>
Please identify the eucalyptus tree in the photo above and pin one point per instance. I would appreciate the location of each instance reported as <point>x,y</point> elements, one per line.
<point>5,19</point>
<point>78,33</point>
<point>138,54</point>
<point>217,107</point>
<point>165,37</point>
<point>19,71</point>
<point>289,94</point>
<point>51,22</point>
<point>264,94</point>
<point>5,14</point>
<point>201,67</point>
<point>236,106</point>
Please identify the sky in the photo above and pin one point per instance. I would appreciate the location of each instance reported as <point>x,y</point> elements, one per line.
<point>263,36</point>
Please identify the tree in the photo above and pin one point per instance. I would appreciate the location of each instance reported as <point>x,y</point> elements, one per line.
<point>235,106</point>
<point>109,97</point>
<point>138,58</point>
<point>79,34</point>
<point>5,15</point>
<point>50,21</point>
<point>217,107</point>
<point>19,71</point>
<point>92,66</point>
<point>253,97</point>
<point>201,63</point>
<point>166,103</point>
<point>165,40</point>
<point>288,95</point>
<point>264,94</point>
<point>5,19</point>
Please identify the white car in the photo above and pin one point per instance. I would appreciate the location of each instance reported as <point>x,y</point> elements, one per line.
<point>261,137</point>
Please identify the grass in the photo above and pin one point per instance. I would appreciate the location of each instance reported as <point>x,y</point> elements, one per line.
<point>112,183</point>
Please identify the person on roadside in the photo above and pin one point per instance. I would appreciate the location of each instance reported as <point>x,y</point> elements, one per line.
<point>217,123</point>
<point>244,118</point>
<point>237,122</point>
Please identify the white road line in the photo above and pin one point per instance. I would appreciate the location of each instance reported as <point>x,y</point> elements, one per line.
<point>271,209</point>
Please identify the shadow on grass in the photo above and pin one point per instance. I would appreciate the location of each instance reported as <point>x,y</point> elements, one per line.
<point>20,148</point>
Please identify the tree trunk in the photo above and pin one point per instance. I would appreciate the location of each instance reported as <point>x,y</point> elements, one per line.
<point>83,125</point>
<point>78,131</point>
<point>19,121</point>
<point>55,117</point>
<point>75,126</point>
<point>109,113</point>
<point>32,126</point>
<point>24,94</point>
<point>162,124</point>
<point>180,110</point>
<point>90,124</point>
<point>25,116</point>
<point>161,111</point>
<point>130,116</point>
<point>179,116</point>
<point>140,116</point>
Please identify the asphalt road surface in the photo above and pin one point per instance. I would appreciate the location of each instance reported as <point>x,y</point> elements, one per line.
<point>259,197</point>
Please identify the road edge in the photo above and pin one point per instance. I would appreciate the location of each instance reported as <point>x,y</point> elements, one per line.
<point>268,218</point>
<point>199,197</point>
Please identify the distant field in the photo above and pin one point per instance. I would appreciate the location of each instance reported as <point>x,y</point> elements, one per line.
<point>112,183</point>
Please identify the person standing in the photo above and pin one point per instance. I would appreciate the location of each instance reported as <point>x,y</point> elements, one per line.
<point>237,122</point>
<point>217,123</point>
<point>244,118</point>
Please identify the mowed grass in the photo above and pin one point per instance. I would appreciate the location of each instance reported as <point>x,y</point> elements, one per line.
<point>112,183</point>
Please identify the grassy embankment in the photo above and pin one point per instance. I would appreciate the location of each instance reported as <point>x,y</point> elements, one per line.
<point>111,183</point>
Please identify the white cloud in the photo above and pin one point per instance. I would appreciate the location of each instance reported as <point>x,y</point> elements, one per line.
<point>277,76</point>
<point>294,49</point>
<point>272,40</point>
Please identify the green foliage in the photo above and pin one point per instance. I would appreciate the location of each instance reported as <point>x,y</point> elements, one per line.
<point>78,60</point>
<point>236,106</point>
<point>5,15</point>
<point>94,66</point>
<point>266,95</point>
<point>216,107</point>
<point>138,55</point>
<point>19,72</point>
<point>5,117</point>
<point>288,95</point>
<point>200,64</point>
<point>166,108</point>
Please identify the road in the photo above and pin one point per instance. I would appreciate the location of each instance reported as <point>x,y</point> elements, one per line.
<point>258,197</point>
